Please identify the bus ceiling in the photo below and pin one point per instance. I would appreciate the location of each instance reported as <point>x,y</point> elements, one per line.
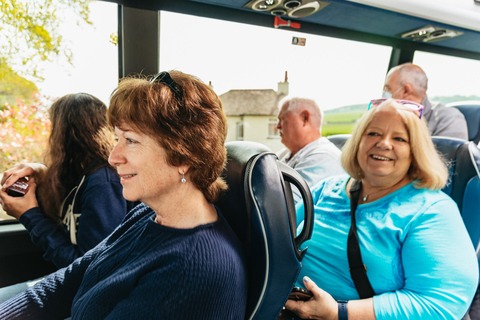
<point>448,27</point>
<point>460,13</point>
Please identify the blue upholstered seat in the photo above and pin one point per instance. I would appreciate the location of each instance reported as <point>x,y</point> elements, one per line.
<point>471,111</point>
<point>339,139</point>
<point>260,208</point>
<point>464,186</point>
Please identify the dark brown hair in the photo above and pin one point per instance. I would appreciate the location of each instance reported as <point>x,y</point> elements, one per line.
<point>190,126</point>
<point>80,142</point>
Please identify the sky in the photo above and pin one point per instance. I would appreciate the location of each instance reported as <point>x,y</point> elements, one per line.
<point>234,56</point>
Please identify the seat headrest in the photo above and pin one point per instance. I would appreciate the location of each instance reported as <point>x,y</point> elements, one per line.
<point>257,208</point>
<point>461,170</point>
<point>471,112</point>
<point>339,139</point>
<point>238,155</point>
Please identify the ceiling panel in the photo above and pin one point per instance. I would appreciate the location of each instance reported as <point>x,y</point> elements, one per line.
<point>344,19</point>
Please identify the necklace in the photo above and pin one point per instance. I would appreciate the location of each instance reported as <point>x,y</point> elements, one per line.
<point>390,189</point>
<point>367,195</point>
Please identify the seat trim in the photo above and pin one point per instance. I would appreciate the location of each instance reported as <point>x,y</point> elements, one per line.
<point>264,233</point>
<point>471,147</point>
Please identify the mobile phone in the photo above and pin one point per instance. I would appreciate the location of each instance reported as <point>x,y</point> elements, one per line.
<point>19,188</point>
<point>300,294</point>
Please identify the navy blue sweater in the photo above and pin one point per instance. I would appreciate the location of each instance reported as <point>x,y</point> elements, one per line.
<point>145,271</point>
<point>103,208</point>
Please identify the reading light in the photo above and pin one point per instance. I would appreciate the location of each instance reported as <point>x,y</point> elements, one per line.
<point>290,4</point>
<point>292,8</point>
<point>430,33</point>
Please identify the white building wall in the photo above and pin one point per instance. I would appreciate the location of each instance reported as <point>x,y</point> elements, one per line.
<point>255,128</point>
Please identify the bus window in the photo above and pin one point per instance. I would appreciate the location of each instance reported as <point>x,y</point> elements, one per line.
<point>94,70</point>
<point>450,79</point>
<point>334,72</point>
<point>94,66</point>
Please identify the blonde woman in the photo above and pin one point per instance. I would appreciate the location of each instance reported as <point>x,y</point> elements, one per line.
<point>418,256</point>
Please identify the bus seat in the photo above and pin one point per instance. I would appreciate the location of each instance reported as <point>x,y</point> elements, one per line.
<point>471,111</point>
<point>464,186</point>
<point>259,207</point>
<point>450,149</point>
<point>339,139</point>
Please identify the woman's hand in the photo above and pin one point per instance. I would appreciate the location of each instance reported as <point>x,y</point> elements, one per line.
<point>21,170</point>
<point>321,306</point>
<point>17,206</point>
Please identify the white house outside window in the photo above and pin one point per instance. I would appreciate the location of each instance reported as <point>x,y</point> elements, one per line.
<point>240,131</point>
<point>272,128</point>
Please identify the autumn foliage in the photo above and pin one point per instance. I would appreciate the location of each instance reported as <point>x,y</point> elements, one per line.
<point>24,131</point>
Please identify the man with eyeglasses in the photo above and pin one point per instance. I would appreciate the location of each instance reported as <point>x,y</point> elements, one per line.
<point>409,82</point>
<point>310,154</point>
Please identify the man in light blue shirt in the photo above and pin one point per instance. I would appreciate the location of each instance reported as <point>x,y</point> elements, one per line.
<point>310,154</point>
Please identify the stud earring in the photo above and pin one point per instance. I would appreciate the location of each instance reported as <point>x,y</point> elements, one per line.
<point>183,179</point>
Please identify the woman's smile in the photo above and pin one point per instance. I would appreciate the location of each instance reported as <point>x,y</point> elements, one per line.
<point>124,177</point>
<point>384,151</point>
<point>381,158</point>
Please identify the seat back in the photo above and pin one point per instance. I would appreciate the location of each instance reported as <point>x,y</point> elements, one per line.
<point>464,187</point>
<point>260,209</point>
<point>339,139</point>
<point>471,111</point>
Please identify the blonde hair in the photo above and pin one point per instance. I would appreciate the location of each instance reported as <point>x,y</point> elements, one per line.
<point>428,169</point>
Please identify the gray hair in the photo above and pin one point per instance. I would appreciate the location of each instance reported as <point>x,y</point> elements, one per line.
<point>414,75</point>
<point>297,105</point>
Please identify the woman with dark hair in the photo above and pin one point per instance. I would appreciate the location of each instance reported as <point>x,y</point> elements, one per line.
<point>78,200</point>
<point>174,256</point>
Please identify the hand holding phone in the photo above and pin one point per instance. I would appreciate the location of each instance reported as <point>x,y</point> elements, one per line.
<point>19,188</point>
<point>297,294</point>
<point>300,294</point>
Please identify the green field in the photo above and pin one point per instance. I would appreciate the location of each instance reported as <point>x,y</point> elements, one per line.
<point>339,123</point>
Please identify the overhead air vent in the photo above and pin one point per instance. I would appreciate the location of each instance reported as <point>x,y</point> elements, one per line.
<point>430,34</point>
<point>291,8</point>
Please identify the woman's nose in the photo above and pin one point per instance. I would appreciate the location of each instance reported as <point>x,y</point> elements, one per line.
<point>116,158</point>
<point>385,143</point>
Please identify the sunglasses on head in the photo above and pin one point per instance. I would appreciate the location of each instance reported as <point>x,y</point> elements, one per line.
<point>406,103</point>
<point>165,79</point>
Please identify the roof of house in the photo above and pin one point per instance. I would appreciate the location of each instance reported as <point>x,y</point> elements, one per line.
<point>251,102</point>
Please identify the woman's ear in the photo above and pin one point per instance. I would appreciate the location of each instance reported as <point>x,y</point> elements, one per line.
<point>183,169</point>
